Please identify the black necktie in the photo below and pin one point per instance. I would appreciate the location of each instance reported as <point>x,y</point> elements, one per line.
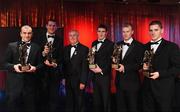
<point>124,43</point>
<point>155,43</point>
<point>51,36</point>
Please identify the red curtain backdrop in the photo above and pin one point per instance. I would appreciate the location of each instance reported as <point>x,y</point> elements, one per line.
<point>85,16</point>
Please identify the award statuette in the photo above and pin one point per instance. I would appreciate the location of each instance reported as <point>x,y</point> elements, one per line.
<point>23,57</point>
<point>49,56</point>
<point>91,57</point>
<point>116,56</point>
<point>148,56</point>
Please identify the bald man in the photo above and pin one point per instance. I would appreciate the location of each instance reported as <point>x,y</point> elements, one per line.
<point>75,71</point>
<point>21,83</point>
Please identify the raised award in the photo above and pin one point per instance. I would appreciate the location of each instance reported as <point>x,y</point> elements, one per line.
<point>116,56</point>
<point>23,57</point>
<point>91,58</point>
<point>148,57</point>
<point>49,56</point>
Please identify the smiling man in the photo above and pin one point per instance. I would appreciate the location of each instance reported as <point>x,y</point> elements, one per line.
<point>51,75</point>
<point>127,75</point>
<point>75,68</point>
<point>21,84</point>
<point>158,89</point>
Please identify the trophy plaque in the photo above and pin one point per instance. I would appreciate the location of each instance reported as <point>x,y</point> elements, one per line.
<point>148,57</point>
<point>91,58</point>
<point>116,56</point>
<point>23,57</point>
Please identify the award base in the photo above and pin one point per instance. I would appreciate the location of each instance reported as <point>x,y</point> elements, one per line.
<point>92,66</point>
<point>24,68</point>
<point>115,66</point>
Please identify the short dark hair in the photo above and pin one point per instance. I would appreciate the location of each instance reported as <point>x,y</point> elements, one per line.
<point>103,26</point>
<point>53,20</point>
<point>127,25</point>
<point>156,22</point>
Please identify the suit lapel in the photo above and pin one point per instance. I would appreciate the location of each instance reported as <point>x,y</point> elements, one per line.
<point>129,49</point>
<point>160,47</point>
<point>102,45</point>
<point>31,52</point>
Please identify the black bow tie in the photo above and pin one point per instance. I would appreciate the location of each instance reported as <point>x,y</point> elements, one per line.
<point>51,36</point>
<point>75,46</point>
<point>124,43</point>
<point>100,41</point>
<point>155,43</point>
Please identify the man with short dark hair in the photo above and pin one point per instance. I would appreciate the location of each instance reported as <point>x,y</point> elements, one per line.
<point>102,72</point>
<point>52,52</point>
<point>158,88</point>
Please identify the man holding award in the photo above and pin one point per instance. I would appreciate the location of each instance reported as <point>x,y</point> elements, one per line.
<point>75,66</point>
<point>127,74</point>
<point>158,86</point>
<point>102,70</point>
<point>23,60</point>
<point>52,52</point>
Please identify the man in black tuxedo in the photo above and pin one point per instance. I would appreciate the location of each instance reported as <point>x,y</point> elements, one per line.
<point>127,75</point>
<point>21,84</point>
<point>158,89</point>
<point>51,74</point>
<point>75,68</point>
<point>102,73</point>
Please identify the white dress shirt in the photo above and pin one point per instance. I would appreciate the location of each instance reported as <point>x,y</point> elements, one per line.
<point>50,39</point>
<point>99,44</point>
<point>73,50</point>
<point>155,46</point>
<point>125,47</point>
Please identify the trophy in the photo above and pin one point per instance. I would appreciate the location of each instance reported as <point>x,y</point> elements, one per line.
<point>148,57</point>
<point>116,56</point>
<point>23,57</point>
<point>91,58</point>
<point>49,56</point>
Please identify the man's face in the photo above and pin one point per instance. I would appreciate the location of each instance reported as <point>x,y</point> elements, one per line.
<point>26,33</point>
<point>73,37</point>
<point>51,27</point>
<point>155,32</point>
<point>127,33</point>
<point>101,33</point>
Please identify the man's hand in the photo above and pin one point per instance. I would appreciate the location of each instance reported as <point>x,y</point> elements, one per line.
<point>96,70</point>
<point>32,69</point>
<point>16,68</point>
<point>50,64</point>
<point>81,86</point>
<point>121,69</point>
<point>154,75</point>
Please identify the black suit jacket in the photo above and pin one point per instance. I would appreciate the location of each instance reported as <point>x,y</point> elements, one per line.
<point>130,79</point>
<point>103,56</point>
<point>16,81</point>
<point>76,67</point>
<point>167,62</point>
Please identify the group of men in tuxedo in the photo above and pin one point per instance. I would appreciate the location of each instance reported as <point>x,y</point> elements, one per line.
<point>71,61</point>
